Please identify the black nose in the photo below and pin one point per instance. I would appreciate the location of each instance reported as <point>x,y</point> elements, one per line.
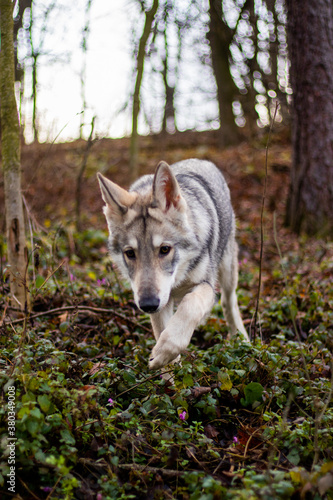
<point>149,304</point>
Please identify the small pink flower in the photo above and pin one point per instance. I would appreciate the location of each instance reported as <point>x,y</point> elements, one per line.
<point>235,439</point>
<point>182,415</point>
<point>99,496</point>
<point>110,402</point>
<point>72,277</point>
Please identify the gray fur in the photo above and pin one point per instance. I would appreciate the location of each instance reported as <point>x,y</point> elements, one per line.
<point>173,236</point>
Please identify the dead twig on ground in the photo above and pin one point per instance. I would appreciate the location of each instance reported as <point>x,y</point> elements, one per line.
<point>58,310</point>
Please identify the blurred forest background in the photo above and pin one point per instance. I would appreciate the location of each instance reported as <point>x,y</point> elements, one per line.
<point>199,56</point>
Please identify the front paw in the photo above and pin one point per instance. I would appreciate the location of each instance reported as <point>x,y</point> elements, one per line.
<point>165,352</point>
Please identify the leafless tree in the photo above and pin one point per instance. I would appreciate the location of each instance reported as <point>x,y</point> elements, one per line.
<point>83,73</point>
<point>149,19</point>
<point>11,161</point>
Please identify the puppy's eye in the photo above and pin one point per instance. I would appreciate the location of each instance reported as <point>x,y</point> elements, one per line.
<point>164,250</point>
<point>130,254</point>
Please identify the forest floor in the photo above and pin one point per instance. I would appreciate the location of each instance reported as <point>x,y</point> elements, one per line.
<point>92,422</point>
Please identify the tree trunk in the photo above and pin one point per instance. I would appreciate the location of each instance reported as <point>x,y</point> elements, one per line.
<point>83,72</point>
<point>220,36</point>
<point>35,128</point>
<point>310,35</point>
<point>11,160</point>
<point>249,99</point>
<point>169,116</point>
<point>136,97</point>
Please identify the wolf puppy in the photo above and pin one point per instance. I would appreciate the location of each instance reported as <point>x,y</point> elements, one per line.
<point>173,236</point>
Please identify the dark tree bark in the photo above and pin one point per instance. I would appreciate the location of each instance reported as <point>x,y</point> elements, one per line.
<point>134,148</point>
<point>18,24</point>
<point>310,41</point>
<point>220,36</point>
<point>169,116</point>
<point>249,100</point>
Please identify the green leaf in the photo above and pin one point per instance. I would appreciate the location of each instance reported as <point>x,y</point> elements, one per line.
<point>40,456</point>
<point>67,437</point>
<point>32,426</point>
<point>224,380</point>
<point>64,326</point>
<point>44,403</point>
<point>29,397</point>
<point>35,412</point>
<point>128,377</point>
<point>39,281</point>
<point>188,380</point>
<point>115,339</point>
<point>293,456</point>
<point>253,392</point>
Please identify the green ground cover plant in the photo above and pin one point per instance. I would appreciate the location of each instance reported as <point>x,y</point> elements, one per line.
<point>239,422</point>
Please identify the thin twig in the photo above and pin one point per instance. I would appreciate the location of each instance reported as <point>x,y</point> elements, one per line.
<point>29,490</point>
<point>142,468</point>
<point>154,470</point>
<point>57,310</point>
<point>147,379</point>
<point>89,144</point>
<point>31,236</point>
<point>54,487</point>
<point>262,225</point>
<point>4,315</point>
<point>50,276</point>
<point>89,422</point>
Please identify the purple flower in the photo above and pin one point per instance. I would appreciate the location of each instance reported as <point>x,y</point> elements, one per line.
<point>47,489</point>
<point>235,439</point>
<point>101,282</point>
<point>99,496</point>
<point>72,277</point>
<point>110,402</point>
<point>182,415</point>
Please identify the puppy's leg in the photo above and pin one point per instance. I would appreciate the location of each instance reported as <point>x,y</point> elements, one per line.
<point>160,319</point>
<point>228,278</point>
<point>179,330</point>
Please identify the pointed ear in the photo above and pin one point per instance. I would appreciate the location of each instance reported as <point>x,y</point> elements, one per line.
<point>117,199</point>
<point>166,191</point>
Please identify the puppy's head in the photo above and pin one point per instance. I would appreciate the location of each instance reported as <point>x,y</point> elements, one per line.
<point>149,232</point>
